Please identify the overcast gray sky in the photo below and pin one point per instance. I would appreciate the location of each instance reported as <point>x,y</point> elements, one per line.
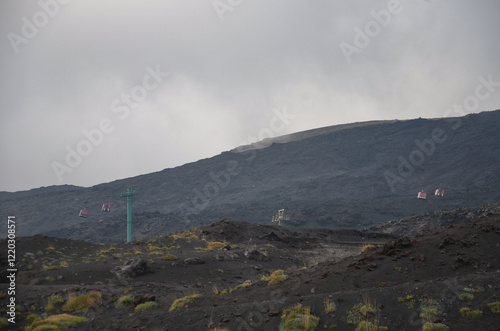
<point>156,84</point>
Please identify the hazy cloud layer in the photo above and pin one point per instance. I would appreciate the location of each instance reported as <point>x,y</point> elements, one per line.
<point>67,66</point>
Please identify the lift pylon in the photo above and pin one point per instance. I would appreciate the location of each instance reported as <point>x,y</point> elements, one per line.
<point>128,194</point>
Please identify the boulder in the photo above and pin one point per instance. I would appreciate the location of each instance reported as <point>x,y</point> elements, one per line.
<point>194,260</point>
<point>131,269</point>
<point>257,255</point>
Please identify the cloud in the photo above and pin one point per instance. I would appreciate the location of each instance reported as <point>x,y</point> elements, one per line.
<point>225,77</point>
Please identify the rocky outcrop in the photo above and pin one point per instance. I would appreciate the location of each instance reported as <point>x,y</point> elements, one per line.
<point>131,269</point>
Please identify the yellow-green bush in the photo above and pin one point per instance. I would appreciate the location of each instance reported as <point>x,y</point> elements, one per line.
<point>429,309</point>
<point>83,302</point>
<point>213,245</point>
<point>368,310</point>
<point>146,306</point>
<point>466,297</point>
<point>298,318</point>
<point>429,326</point>
<point>125,301</point>
<point>33,318</point>
<point>56,322</point>
<point>495,307</point>
<point>469,313</point>
<point>369,326</point>
<point>182,302</point>
<point>54,300</point>
<point>276,277</point>
<point>169,257</point>
<point>50,267</point>
<point>330,306</point>
<point>368,247</point>
<point>3,323</point>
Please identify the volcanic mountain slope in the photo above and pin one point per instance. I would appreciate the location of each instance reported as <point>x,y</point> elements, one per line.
<point>347,176</point>
<point>345,277</point>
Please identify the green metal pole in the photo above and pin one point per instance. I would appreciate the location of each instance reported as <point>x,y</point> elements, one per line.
<point>129,218</point>
<point>129,193</point>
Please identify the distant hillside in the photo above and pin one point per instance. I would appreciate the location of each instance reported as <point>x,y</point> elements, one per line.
<point>352,176</point>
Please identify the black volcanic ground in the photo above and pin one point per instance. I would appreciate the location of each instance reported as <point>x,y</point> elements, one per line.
<point>397,277</point>
<point>332,177</point>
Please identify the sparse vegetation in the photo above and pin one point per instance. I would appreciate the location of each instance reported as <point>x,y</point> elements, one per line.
<point>51,267</point>
<point>298,318</point>
<point>217,292</point>
<point>33,318</point>
<point>429,326</point>
<point>168,257</point>
<point>183,302</point>
<point>367,248</point>
<point>54,301</point>
<point>56,322</point>
<point>83,302</point>
<point>152,247</point>
<point>466,297</point>
<point>276,277</point>
<point>428,309</point>
<point>495,307</point>
<point>213,245</point>
<point>330,306</point>
<point>469,313</point>
<point>186,234</point>
<point>368,310</point>
<point>474,289</point>
<point>354,316</point>
<point>360,315</point>
<point>125,301</point>
<point>369,326</point>
<point>409,301</point>
<point>146,306</point>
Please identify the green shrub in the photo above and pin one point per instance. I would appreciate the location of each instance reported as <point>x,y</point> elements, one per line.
<point>428,326</point>
<point>169,257</point>
<point>56,322</point>
<point>354,315</point>
<point>330,306</point>
<point>276,277</point>
<point>469,313</point>
<point>213,245</point>
<point>474,290</point>
<point>368,310</point>
<point>182,302</point>
<point>298,318</point>
<point>3,323</point>
<point>146,306</point>
<point>466,297</point>
<point>54,300</point>
<point>50,267</point>
<point>125,301</point>
<point>429,309</point>
<point>368,247</point>
<point>83,302</point>
<point>369,326</point>
<point>495,307</point>
<point>33,318</point>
